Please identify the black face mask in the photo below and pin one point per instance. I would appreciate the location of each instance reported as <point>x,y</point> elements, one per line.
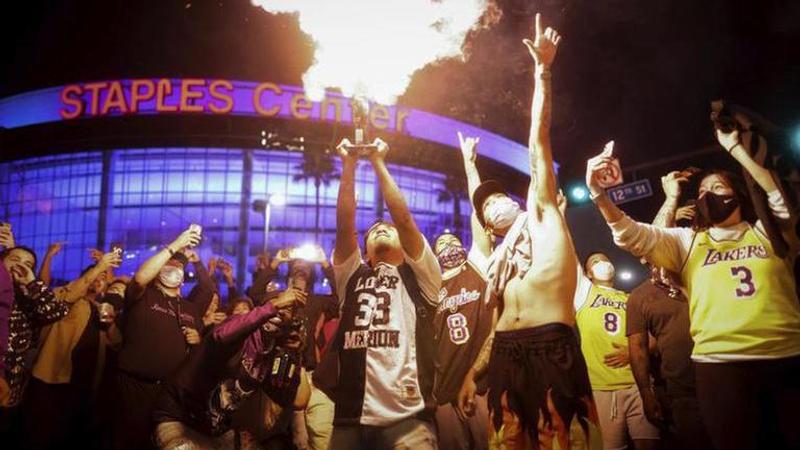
<point>716,208</point>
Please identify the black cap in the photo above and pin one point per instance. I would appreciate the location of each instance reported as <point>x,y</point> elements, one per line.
<point>484,191</point>
<point>181,258</point>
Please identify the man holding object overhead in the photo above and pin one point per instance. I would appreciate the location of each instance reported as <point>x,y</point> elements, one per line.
<point>539,391</point>
<point>385,338</point>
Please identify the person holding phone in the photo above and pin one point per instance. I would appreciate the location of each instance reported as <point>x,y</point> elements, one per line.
<point>743,305</point>
<point>160,329</point>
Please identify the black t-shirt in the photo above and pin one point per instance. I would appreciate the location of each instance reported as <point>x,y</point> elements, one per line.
<point>463,321</point>
<point>85,353</point>
<point>318,307</point>
<point>153,344</point>
<point>650,309</point>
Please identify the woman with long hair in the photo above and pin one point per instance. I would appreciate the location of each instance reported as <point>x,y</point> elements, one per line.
<point>744,311</point>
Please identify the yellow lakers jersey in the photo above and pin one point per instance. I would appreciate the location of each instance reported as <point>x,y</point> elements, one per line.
<point>601,323</point>
<point>742,299</point>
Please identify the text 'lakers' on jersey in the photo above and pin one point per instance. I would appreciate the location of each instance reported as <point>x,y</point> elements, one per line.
<point>601,323</point>
<point>742,299</point>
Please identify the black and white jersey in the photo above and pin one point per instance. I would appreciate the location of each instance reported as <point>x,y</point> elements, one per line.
<point>383,374</point>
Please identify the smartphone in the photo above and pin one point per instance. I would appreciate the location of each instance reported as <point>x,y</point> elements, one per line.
<point>197,229</point>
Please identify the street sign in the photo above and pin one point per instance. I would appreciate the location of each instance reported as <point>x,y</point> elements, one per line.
<point>629,192</point>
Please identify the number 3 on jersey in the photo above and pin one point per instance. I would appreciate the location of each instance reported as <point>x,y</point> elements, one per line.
<point>457,324</point>
<point>377,314</point>
<point>747,286</point>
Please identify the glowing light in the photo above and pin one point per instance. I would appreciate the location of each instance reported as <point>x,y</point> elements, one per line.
<point>796,141</point>
<point>277,200</point>
<point>578,193</point>
<point>626,275</point>
<point>371,48</point>
<point>306,251</point>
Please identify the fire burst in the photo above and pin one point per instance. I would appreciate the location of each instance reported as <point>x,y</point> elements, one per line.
<point>371,47</point>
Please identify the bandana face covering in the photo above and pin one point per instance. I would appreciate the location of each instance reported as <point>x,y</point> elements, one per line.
<point>502,212</point>
<point>171,276</point>
<point>452,256</point>
<point>715,208</point>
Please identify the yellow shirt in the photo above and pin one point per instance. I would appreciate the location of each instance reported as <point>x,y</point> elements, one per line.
<point>601,323</point>
<point>742,299</point>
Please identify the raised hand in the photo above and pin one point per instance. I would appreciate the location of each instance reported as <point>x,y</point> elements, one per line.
<point>110,259</point>
<point>671,183</point>
<point>544,45</point>
<point>95,254</point>
<point>212,265</point>
<point>597,166</point>
<point>55,248</point>
<point>469,147</point>
<point>289,298</point>
<point>381,150</point>
<point>188,238</point>
<point>6,236</point>
<point>686,212</point>
<point>227,270</point>
<point>728,140</point>
<point>346,151</point>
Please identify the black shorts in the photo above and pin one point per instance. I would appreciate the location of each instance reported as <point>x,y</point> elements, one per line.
<point>539,389</point>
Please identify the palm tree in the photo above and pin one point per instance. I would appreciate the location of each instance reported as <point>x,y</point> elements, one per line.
<point>318,165</point>
<point>455,190</point>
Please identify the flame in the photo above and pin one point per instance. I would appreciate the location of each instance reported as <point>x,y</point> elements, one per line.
<point>371,47</point>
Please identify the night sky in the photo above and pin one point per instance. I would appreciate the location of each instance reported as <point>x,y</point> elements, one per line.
<point>640,72</point>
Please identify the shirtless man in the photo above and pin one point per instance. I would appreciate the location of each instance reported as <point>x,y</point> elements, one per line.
<point>539,391</point>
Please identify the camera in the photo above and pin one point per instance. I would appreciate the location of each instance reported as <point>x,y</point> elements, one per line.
<point>722,117</point>
<point>116,247</point>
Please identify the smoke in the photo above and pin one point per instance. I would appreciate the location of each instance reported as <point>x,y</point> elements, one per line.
<point>370,48</point>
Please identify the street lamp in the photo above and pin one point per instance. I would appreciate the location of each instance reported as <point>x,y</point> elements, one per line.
<point>265,207</point>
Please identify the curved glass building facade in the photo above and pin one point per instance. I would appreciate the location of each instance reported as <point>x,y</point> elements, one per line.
<point>143,198</point>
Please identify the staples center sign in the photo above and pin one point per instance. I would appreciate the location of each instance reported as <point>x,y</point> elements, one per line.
<point>215,97</point>
<point>116,98</point>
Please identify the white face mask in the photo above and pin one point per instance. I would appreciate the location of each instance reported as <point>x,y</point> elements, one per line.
<point>603,271</point>
<point>171,276</point>
<point>501,213</point>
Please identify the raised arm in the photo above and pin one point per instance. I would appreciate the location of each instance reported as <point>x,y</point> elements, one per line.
<point>671,184</point>
<point>346,234</point>
<point>240,326</point>
<point>77,289</point>
<point>469,147</point>
<point>149,269</point>
<point>732,143</point>
<point>542,188</point>
<point>52,251</point>
<point>410,237</point>
<point>663,247</point>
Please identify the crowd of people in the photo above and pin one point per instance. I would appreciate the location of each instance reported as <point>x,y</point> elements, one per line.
<point>513,343</point>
